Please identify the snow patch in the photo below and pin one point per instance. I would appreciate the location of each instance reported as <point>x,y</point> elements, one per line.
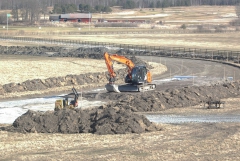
<point>148,16</point>
<point>124,13</point>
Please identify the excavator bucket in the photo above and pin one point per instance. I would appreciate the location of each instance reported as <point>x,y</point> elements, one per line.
<point>112,88</point>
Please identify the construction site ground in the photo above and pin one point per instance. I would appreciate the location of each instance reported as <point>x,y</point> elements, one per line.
<point>201,141</point>
<point>187,141</point>
<point>181,141</point>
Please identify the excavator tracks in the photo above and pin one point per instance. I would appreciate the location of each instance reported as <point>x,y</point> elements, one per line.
<point>130,88</point>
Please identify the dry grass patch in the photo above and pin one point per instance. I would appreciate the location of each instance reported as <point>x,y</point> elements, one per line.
<point>175,142</point>
<point>22,68</point>
<point>18,69</point>
<point>157,68</point>
<point>217,41</point>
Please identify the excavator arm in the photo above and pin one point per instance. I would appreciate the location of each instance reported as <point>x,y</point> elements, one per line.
<point>121,59</point>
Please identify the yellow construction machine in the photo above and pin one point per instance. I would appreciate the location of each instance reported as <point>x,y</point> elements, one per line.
<point>69,101</point>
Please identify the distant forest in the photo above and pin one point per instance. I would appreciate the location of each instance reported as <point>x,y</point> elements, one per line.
<point>13,4</point>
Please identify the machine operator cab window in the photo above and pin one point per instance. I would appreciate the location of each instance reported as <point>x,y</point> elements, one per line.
<point>139,75</point>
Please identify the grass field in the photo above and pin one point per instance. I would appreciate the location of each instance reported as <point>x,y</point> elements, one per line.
<point>13,68</point>
<point>172,18</point>
<point>214,41</point>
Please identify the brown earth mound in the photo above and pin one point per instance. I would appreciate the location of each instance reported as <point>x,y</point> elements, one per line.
<point>104,120</point>
<point>97,52</point>
<point>171,98</point>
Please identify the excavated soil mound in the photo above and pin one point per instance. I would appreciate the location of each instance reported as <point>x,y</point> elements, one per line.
<point>97,52</point>
<point>104,120</point>
<point>182,97</point>
<point>119,117</point>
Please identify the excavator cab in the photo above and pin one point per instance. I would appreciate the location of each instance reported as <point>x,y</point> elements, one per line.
<point>139,75</point>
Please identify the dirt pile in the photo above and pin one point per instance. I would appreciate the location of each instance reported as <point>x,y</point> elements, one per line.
<point>102,120</point>
<point>82,52</point>
<point>182,97</point>
<point>97,52</point>
<point>92,53</point>
<point>42,84</point>
<point>29,50</point>
<point>119,117</point>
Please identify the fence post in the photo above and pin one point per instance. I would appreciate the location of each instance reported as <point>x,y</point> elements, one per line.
<point>238,58</point>
<point>227,56</point>
<point>206,51</point>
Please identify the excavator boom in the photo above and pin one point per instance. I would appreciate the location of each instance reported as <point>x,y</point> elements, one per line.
<point>121,59</point>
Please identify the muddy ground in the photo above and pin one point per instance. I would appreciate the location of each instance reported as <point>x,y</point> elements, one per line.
<point>119,117</point>
<point>116,117</point>
<point>205,141</point>
<point>186,141</point>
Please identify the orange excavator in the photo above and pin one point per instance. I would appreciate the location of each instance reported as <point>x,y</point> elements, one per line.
<point>138,78</point>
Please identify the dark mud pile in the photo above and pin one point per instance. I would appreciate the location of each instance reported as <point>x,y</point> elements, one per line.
<point>43,84</point>
<point>120,117</point>
<point>97,52</point>
<point>103,120</point>
<point>171,98</point>
<point>32,51</point>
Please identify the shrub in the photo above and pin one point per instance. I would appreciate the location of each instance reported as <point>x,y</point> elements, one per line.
<point>183,26</point>
<point>3,19</point>
<point>200,28</point>
<point>218,29</point>
<point>235,22</point>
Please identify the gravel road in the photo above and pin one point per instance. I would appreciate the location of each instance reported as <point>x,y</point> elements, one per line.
<point>204,72</point>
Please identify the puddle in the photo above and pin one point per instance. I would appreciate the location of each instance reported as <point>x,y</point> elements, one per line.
<point>10,110</point>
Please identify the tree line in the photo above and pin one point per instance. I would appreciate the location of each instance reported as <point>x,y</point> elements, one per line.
<point>83,8</point>
<point>11,4</point>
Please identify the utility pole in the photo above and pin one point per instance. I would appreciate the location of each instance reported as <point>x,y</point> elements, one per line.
<point>89,22</point>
